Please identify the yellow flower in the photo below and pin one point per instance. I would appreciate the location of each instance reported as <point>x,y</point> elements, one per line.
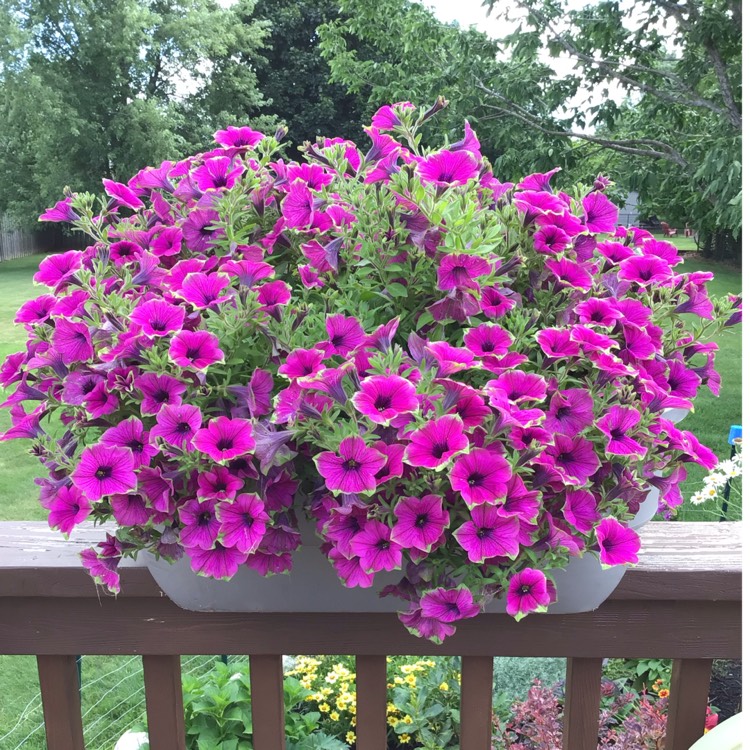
<point>391,708</point>
<point>407,719</point>
<point>326,691</point>
<point>410,680</point>
<point>398,680</point>
<point>310,698</point>
<point>443,686</point>
<point>404,738</point>
<point>392,721</point>
<point>332,678</point>
<point>335,716</point>
<point>351,738</point>
<point>324,708</point>
<point>340,703</point>
<point>664,693</point>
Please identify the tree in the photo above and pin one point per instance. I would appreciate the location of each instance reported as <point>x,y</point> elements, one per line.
<point>679,127</point>
<point>96,88</point>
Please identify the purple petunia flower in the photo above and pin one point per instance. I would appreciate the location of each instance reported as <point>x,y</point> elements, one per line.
<point>130,509</point>
<point>394,461</point>
<point>344,335</point>
<point>243,522</point>
<point>130,434</point>
<point>158,317</point>
<point>616,424</point>
<point>580,510</point>
<point>426,627</point>
<point>69,507</point>
<point>445,168</point>
<point>518,386</point>
<point>200,525</point>
<point>376,548</point>
<point>488,339</point>
<point>61,211</point>
<point>235,137</point>
<point>494,303</point>
<point>481,476</point>
<point>570,411</point>
<point>224,438</point>
<point>460,270</point>
<point>569,273</point>
<point>488,534</point>
<point>218,562</point>
<point>159,390</point>
<point>204,290</point>
<point>122,194</point>
<point>618,544</point>
<point>198,230</point>
<point>645,270</point>
<point>57,270</point>
<point>124,252</point>
<point>550,240</point>
<point>104,470</point>
<point>420,522</point>
<point>353,469</point>
<point>574,457</point>
<point>598,311</point>
<point>302,362</point>
<point>195,350</point>
<point>100,401</point>
<point>599,213</point>
<point>449,605</point>
<point>36,310</point>
<point>73,341</point>
<point>557,343</point>
<point>298,207</point>
<point>381,398</point>
<point>217,173</point>
<point>528,591</point>
<point>433,445</point>
<point>218,484</point>
<point>177,425</point>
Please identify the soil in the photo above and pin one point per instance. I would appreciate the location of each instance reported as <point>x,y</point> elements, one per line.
<point>725,692</point>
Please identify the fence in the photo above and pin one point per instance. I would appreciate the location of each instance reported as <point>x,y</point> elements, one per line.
<point>683,602</point>
<point>14,242</point>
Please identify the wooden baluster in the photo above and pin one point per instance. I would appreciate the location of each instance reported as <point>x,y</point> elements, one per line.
<point>61,701</point>
<point>267,699</point>
<point>166,715</point>
<point>582,698</point>
<point>476,702</point>
<point>371,703</point>
<point>688,697</point>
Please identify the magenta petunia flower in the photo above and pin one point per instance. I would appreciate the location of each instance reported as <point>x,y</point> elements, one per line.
<point>102,569</point>
<point>381,398</point>
<point>130,509</point>
<point>570,411</point>
<point>122,194</point>
<point>218,484</point>
<point>104,470</point>
<point>426,627</point>
<point>36,310</point>
<point>616,424</point>
<point>574,457</point>
<point>682,381</point>
<point>569,273</point>
<point>645,270</point>
<point>350,570</point>
<point>528,591</point>
<point>224,438</point>
<point>518,386</point>
<point>394,461</point>
<point>177,425</point>
<point>130,434</point>
<point>450,359</point>
<point>449,605</point>
<point>217,173</point>
<point>218,562</point>
<point>618,544</point>
<point>235,137</point>
<point>387,117</point>
<point>557,343</point>
<point>302,362</point>
<point>601,312</point>
<point>353,469</point>
<point>580,510</point>
<point>521,501</point>
<point>298,207</point>
<point>344,335</point>
<point>124,252</point>
<point>420,522</point>
<point>199,229</point>
<point>461,270</point>
<point>599,213</point>
<point>243,522</point>
<point>433,445</point>
<point>494,303</point>
<point>538,180</point>
<point>591,341</point>
<point>637,346</point>
<point>376,548</point>
<point>488,534</point>
<point>551,240</point>
<point>204,290</point>
<point>481,476</point>
<point>465,401</point>
<point>248,272</point>
<point>200,525</point>
<point>69,507</point>
<point>195,350</point>
<point>445,168</point>
<point>73,341</point>
<point>488,339</point>
<point>100,401</point>
<point>56,270</point>
<point>158,390</point>
<point>61,211</point>
<point>157,317</point>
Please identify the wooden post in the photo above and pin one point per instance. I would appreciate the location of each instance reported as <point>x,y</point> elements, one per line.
<point>267,700</point>
<point>61,702</point>
<point>164,709</point>
<point>476,702</point>
<point>371,703</point>
<point>582,697</point>
<point>688,697</point>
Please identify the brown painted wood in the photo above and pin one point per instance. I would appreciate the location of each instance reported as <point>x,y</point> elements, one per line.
<point>164,709</point>
<point>683,561</point>
<point>654,629</point>
<point>267,699</point>
<point>61,702</point>
<point>688,697</point>
<point>582,697</point>
<point>476,703</point>
<point>371,703</point>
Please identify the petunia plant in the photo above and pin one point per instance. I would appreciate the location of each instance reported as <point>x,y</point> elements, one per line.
<point>450,376</point>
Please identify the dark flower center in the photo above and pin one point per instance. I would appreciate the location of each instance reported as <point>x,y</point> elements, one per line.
<point>483,532</point>
<point>88,386</point>
<point>488,346</point>
<point>524,589</point>
<point>439,448</point>
<point>75,507</point>
<point>248,519</point>
<point>206,230</point>
<point>158,325</point>
<point>103,472</point>
<point>220,487</point>
<point>204,518</point>
<point>351,465</point>
<point>475,478</point>
<point>563,412</point>
<point>383,545</point>
<point>337,339</point>
<point>382,402</point>
<point>225,444</point>
<point>193,353</point>
<point>421,520</point>
<point>617,433</point>
<point>136,446</point>
<point>182,428</point>
<point>513,395</point>
<point>566,458</point>
<point>161,397</point>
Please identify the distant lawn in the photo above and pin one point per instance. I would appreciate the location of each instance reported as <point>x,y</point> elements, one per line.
<point>710,422</point>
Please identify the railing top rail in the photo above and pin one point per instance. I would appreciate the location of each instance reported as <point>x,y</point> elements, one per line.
<point>679,561</point>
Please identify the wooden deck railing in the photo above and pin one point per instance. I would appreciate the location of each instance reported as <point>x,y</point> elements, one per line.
<point>683,602</point>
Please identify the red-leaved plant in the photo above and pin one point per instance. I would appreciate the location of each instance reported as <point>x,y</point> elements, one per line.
<point>451,375</point>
